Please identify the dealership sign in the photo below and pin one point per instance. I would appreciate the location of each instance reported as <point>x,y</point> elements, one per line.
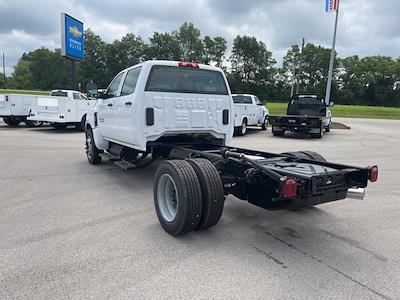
<point>71,37</point>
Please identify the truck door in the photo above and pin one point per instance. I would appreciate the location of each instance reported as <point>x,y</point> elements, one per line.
<point>125,107</point>
<point>105,113</point>
<point>259,110</point>
<point>82,105</point>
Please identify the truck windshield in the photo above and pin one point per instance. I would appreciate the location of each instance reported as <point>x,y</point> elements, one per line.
<point>308,101</point>
<point>186,80</point>
<point>242,99</point>
<point>59,94</point>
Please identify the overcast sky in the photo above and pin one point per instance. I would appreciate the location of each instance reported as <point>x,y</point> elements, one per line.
<point>366,27</point>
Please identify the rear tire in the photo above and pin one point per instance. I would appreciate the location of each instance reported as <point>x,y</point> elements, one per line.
<point>177,197</point>
<point>11,121</point>
<point>212,192</point>
<point>33,124</point>
<point>58,125</point>
<point>277,133</point>
<point>92,152</point>
<point>306,155</point>
<point>241,131</point>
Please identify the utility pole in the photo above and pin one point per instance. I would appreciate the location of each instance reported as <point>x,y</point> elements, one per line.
<point>4,70</point>
<point>330,73</point>
<point>300,65</point>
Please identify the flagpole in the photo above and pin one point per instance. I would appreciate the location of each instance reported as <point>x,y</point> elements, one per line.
<point>330,72</point>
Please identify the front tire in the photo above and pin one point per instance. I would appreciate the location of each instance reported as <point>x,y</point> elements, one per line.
<point>177,197</point>
<point>264,125</point>
<point>212,192</point>
<point>92,152</point>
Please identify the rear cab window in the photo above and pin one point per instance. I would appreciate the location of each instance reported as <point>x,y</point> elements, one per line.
<point>240,99</point>
<point>59,94</point>
<point>308,101</point>
<point>174,79</point>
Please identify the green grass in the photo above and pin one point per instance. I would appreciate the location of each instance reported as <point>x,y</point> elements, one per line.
<point>25,92</point>
<point>347,111</point>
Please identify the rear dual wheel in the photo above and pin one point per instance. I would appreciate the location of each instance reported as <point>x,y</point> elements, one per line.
<point>33,124</point>
<point>188,195</point>
<point>11,121</point>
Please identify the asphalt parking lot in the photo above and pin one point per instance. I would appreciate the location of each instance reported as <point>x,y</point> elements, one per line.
<point>72,230</point>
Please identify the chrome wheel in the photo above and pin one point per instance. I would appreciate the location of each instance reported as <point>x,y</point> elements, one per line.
<point>167,197</point>
<point>243,129</point>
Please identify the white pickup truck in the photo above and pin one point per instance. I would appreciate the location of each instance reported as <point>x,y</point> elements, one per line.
<point>183,112</point>
<point>15,108</point>
<point>249,111</point>
<point>61,109</point>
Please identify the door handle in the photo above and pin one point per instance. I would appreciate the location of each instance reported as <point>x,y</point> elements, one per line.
<point>128,103</point>
<point>109,104</point>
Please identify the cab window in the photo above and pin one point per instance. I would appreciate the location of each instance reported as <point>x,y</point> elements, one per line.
<point>258,102</point>
<point>112,90</point>
<point>130,81</point>
<point>76,96</point>
<point>242,99</point>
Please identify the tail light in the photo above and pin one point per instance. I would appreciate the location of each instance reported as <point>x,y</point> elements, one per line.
<point>188,64</point>
<point>289,187</point>
<point>373,173</point>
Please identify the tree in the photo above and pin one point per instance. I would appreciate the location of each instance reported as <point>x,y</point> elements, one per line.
<point>214,50</point>
<point>252,66</point>
<point>120,54</point>
<point>190,43</point>
<point>94,66</point>
<point>164,46</point>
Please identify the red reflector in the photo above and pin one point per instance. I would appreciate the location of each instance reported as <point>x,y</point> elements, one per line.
<point>289,187</point>
<point>373,173</point>
<point>188,64</point>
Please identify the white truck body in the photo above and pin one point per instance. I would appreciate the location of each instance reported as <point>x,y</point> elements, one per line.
<point>15,105</point>
<point>160,100</point>
<point>15,108</point>
<point>249,111</point>
<point>65,107</point>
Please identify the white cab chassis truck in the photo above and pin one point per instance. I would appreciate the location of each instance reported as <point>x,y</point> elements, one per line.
<point>249,111</point>
<point>15,108</point>
<point>183,113</point>
<point>61,109</point>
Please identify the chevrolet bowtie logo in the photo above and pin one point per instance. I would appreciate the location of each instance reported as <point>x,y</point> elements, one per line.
<point>75,31</point>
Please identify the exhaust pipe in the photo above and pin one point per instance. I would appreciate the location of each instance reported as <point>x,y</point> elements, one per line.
<point>356,193</point>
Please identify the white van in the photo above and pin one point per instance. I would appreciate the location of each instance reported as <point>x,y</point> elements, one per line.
<point>15,108</point>
<point>249,111</point>
<point>62,108</point>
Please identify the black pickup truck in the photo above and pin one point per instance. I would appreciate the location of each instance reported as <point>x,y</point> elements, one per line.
<point>306,113</point>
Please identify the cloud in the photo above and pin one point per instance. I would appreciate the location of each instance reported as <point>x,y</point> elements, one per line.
<point>366,27</point>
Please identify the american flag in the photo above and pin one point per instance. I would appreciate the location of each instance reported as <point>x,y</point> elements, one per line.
<point>331,5</point>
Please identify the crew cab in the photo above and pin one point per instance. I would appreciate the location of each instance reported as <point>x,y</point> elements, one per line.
<point>61,109</point>
<point>306,113</point>
<point>182,112</point>
<point>15,108</point>
<point>249,111</point>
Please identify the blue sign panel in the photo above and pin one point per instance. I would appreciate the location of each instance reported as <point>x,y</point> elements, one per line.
<point>72,37</point>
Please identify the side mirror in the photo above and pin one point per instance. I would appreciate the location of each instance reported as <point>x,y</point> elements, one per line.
<point>102,95</point>
<point>331,104</point>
